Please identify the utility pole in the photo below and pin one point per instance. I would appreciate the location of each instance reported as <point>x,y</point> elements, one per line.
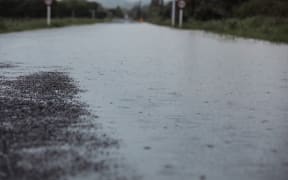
<point>93,13</point>
<point>180,18</point>
<point>140,15</point>
<point>48,15</point>
<point>173,12</point>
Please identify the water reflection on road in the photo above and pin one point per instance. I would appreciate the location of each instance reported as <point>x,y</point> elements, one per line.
<point>184,104</point>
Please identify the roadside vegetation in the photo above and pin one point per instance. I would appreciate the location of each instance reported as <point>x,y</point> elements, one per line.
<point>260,19</point>
<point>12,25</point>
<point>265,28</point>
<point>19,15</point>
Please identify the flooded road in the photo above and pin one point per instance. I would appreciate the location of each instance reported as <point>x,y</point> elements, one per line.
<point>183,104</point>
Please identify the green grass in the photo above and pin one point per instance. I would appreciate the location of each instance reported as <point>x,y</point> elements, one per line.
<point>265,28</point>
<point>13,25</point>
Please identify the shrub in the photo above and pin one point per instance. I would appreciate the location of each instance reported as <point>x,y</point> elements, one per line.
<point>3,26</point>
<point>274,8</point>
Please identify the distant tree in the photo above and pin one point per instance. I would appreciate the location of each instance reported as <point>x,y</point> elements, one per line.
<point>157,3</point>
<point>220,9</point>
<point>37,9</point>
<point>275,8</point>
<point>22,8</point>
<point>74,5</point>
<point>118,12</point>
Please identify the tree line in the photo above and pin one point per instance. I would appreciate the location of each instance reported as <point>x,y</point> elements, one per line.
<point>63,8</point>
<point>219,9</point>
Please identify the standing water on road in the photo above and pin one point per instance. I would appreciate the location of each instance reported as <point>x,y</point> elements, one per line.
<point>170,104</point>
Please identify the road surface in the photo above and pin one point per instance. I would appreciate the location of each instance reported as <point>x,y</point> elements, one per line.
<point>184,105</point>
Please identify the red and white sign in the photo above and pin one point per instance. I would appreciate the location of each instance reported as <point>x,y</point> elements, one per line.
<point>48,2</point>
<point>181,4</point>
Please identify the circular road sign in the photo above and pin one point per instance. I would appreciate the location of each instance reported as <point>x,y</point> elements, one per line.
<point>181,4</point>
<point>48,2</point>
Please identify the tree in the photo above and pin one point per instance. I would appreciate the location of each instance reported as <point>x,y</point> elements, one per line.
<point>37,8</point>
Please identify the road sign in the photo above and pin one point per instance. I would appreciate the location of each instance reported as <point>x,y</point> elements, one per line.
<point>48,2</point>
<point>181,4</point>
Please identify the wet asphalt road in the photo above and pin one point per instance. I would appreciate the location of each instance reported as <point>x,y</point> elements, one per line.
<point>183,104</point>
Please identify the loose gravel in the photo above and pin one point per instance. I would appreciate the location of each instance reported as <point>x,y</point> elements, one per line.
<point>45,129</point>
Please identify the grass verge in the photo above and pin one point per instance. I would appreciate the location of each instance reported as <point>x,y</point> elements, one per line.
<point>265,28</point>
<point>13,25</point>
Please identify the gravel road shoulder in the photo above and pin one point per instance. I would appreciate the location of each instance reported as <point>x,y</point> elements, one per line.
<point>46,132</point>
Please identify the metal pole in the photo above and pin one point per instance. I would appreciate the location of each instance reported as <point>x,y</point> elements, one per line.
<point>93,13</point>
<point>173,12</point>
<point>180,18</point>
<point>49,15</point>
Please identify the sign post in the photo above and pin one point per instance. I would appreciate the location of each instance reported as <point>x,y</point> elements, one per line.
<point>173,12</point>
<point>93,13</point>
<point>181,5</point>
<point>48,7</point>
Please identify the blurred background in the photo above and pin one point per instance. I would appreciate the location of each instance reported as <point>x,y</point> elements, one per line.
<point>261,19</point>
